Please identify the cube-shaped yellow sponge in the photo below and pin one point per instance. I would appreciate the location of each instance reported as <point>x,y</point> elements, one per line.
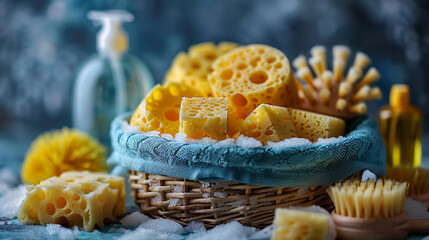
<point>269,123</point>
<point>293,225</point>
<point>81,199</point>
<point>314,125</point>
<point>160,109</point>
<point>204,117</point>
<point>192,68</point>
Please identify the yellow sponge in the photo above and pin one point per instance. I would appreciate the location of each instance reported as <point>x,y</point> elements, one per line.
<point>192,68</point>
<point>299,225</point>
<point>268,123</point>
<point>252,75</point>
<point>81,199</point>
<point>160,109</point>
<point>314,126</point>
<point>204,117</point>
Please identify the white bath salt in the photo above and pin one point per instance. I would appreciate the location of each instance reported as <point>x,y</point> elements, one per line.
<point>118,230</point>
<point>2,222</point>
<point>208,140</point>
<point>220,194</point>
<point>220,185</point>
<point>205,184</point>
<point>151,134</point>
<point>180,137</point>
<point>11,200</point>
<point>290,142</point>
<point>206,195</point>
<point>195,227</point>
<point>232,230</point>
<point>247,142</point>
<point>238,203</point>
<point>9,222</point>
<point>330,140</point>
<point>129,128</point>
<point>174,202</point>
<point>263,234</point>
<point>63,233</point>
<point>220,204</point>
<point>149,234</point>
<point>368,175</point>
<point>167,136</point>
<point>226,142</point>
<point>253,201</point>
<point>178,189</point>
<point>415,209</point>
<point>163,226</point>
<point>134,219</point>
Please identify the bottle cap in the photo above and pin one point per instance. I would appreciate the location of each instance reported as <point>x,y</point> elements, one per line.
<point>112,39</point>
<point>399,95</point>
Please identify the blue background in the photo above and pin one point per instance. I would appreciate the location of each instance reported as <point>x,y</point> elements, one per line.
<point>42,44</point>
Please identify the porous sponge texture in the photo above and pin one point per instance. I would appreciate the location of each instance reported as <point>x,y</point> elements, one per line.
<point>192,68</point>
<point>160,109</point>
<point>204,117</point>
<point>252,75</point>
<point>293,225</point>
<point>269,123</point>
<point>81,199</point>
<point>314,126</point>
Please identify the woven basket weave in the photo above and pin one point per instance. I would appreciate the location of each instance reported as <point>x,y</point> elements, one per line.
<point>184,201</point>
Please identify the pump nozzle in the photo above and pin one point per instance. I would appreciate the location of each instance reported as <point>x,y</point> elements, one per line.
<point>112,39</point>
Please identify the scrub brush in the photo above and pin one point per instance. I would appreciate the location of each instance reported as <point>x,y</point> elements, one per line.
<point>417,178</point>
<point>334,92</point>
<point>372,210</point>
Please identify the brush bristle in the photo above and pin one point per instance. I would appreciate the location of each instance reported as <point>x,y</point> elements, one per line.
<point>383,199</point>
<point>340,92</point>
<point>418,178</point>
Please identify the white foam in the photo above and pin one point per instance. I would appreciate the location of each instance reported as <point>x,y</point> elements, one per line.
<point>195,227</point>
<point>151,133</point>
<point>167,136</point>
<point>263,234</point>
<point>63,233</point>
<point>11,200</point>
<point>134,219</point>
<point>148,234</point>
<point>290,142</point>
<point>226,142</point>
<point>180,137</point>
<point>129,128</point>
<point>232,230</point>
<point>247,142</point>
<point>163,226</point>
<point>2,222</point>
<point>329,140</point>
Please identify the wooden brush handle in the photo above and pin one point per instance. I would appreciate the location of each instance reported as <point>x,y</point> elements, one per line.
<point>418,226</point>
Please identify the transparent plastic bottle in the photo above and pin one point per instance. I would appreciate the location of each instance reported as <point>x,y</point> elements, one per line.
<point>400,125</point>
<point>110,82</point>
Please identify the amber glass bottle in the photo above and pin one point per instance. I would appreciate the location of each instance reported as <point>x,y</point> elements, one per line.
<point>400,125</point>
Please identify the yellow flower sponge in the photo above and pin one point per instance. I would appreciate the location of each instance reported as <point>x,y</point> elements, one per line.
<point>55,152</point>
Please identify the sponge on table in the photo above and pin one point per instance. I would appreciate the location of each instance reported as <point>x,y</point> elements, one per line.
<point>314,126</point>
<point>268,123</point>
<point>204,117</point>
<point>81,199</point>
<point>293,225</point>
<point>159,110</point>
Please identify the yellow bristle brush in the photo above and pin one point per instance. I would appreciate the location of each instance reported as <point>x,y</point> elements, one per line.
<point>340,92</point>
<point>418,179</point>
<point>373,210</point>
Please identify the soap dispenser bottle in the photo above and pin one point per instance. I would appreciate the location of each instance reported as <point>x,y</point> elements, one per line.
<point>110,82</point>
<point>400,125</point>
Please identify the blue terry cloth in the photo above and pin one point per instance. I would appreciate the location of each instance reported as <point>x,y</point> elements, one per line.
<point>300,166</point>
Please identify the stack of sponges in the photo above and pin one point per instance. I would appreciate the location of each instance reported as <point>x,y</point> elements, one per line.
<point>251,88</point>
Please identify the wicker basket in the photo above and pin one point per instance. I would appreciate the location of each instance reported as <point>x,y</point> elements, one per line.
<point>184,201</point>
